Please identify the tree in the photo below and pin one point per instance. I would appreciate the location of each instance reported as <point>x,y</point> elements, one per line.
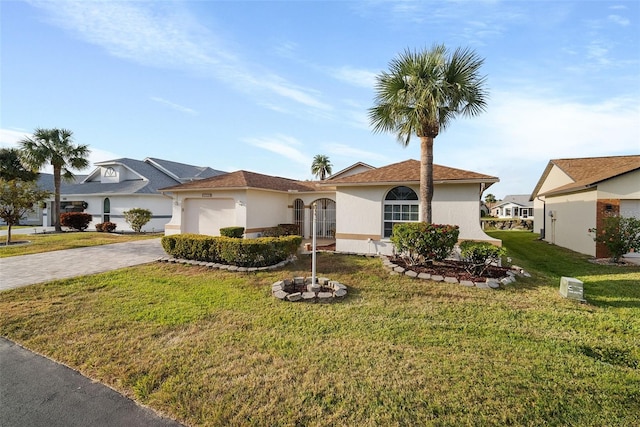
<point>421,94</point>
<point>321,166</point>
<point>11,166</point>
<point>55,147</point>
<point>16,199</point>
<point>620,235</point>
<point>137,218</point>
<point>490,198</point>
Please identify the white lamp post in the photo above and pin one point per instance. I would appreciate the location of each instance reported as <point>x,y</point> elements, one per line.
<point>313,249</point>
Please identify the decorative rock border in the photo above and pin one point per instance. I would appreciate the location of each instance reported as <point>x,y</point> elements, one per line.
<point>302,289</point>
<point>230,268</point>
<point>490,283</point>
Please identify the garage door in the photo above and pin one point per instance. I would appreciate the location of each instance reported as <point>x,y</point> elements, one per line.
<point>208,216</point>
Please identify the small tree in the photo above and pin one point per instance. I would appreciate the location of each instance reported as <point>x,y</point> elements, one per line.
<point>16,199</point>
<point>620,235</point>
<point>76,220</point>
<point>137,218</point>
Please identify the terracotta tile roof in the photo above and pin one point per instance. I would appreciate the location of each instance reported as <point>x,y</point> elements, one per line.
<point>409,171</point>
<point>245,179</point>
<point>589,171</point>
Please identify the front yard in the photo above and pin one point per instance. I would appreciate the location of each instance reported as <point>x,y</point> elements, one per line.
<point>214,348</point>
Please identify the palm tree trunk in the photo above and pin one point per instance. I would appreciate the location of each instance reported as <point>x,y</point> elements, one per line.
<point>56,203</point>
<point>426,178</point>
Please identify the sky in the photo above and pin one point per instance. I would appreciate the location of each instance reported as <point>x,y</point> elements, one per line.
<point>264,86</point>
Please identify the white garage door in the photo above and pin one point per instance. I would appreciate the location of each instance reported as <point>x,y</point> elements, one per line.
<point>208,216</point>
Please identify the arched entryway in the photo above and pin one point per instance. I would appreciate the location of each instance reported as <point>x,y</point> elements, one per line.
<point>325,218</point>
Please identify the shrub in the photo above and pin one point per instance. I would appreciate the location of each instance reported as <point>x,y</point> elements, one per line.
<point>478,256</point>
<point>76,220</point>
<point>620,235</point>
<point>234,232</point>
<point>281,230</point>
<point>137,218</point>
<point>230,250</point>
<point>107,227</point>
<point>419,242</point>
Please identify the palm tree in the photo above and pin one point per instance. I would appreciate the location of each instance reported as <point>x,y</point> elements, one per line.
<point>421,93</point>
<point>321,166</point>
<point>55,147</point>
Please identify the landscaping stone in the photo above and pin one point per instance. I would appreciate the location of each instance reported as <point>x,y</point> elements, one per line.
<point>399,269</point>
<point>411,273</point>
<point>297,296</point>
<point>298,280</point>
<point>482,285</point>
<point>233,268</point>
<point>242,269</point>
<point>451,280</point>
<point>314,287</point>
<point>308,295</point>
<point>337,286</point>
<point>276,287</point>
<point>280,294</point>
<point>325,295</point>
<point>468,283</point>
<point>340,292</point>
<point>493,283</point>
<point>437,278</point>
<point>323,281</point>
<point>424,276</point>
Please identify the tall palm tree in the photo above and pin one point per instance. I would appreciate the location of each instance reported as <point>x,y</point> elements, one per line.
<point>321,166</point>
<point>421,94</point>
<point>55,147</point>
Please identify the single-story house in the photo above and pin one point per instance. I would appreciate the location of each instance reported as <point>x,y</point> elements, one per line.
<point>116,186</point>
<point>573,196</point>
<point>514,206</point>
<point>358,210</point>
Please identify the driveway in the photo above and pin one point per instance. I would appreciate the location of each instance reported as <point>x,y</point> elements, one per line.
<point>44,267</point>
<point>38,392</point>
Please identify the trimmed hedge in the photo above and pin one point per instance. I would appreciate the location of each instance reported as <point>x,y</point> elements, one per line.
<point>235,232</point>
<point>106,227</point>
<point>260,252</point>
<point>478,256</point>
<point>282,230</point>
<point>421,242</point>
<point>76,220</point>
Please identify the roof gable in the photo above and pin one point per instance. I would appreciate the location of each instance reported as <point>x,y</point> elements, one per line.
<point>587,172</point>
<point>182,172</point>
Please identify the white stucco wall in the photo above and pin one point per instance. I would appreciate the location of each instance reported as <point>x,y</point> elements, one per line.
<point>573,216</point>
<point>626,186</point>
<point>556,178</point>
<point>359,215</point>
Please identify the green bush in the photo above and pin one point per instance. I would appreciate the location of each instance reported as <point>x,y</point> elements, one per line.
<point>107,227</point>
<point>234,232</point>
<point>282,230</point>
<point>76,220</point>
<point>420,242</point>
<point>137,218</point>
<point>259,252</point>
<point>478,256</point>
<point>620,235</point>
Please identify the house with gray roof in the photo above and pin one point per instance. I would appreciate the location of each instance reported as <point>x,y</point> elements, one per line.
<point>116,186</point>
<point>515,206</point>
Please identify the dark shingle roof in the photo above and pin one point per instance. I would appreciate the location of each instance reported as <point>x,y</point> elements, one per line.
<point>245,179</point>
<point>184,172</point>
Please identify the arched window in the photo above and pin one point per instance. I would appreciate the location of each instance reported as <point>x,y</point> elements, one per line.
<point>106,210</point>
<point>400,205</point>
<point>298,215</point>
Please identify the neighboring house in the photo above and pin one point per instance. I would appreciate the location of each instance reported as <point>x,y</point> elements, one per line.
<point>358,210</point>
<point>575,195</point>
<point>514,207</point>
<point>118,185</point>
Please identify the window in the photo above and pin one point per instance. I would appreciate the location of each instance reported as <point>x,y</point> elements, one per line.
<point>110,172</point>
<point>106,209</point>
<point>507,212</point>
<point>400,205</point>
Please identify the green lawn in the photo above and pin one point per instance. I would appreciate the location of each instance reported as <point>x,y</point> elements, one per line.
<point>214,348</point>
<point>67,240</point>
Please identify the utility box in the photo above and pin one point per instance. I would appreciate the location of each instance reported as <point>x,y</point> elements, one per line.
<point>572,288</point>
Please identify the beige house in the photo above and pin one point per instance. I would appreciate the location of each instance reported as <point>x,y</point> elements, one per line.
<point>357,206</point>
<point>574,195</point>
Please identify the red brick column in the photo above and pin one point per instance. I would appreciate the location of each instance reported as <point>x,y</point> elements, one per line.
<point>605,208</point>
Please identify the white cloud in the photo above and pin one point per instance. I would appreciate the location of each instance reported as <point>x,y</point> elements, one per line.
<point>617,19</point>
<point>355,76</point>
<point>343,150</point>
<point>174,106</point>
<point>282,145</point>
<point>165,35</point>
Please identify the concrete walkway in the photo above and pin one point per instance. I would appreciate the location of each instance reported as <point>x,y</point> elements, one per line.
<point>37,268</point>
<point>38,392</point>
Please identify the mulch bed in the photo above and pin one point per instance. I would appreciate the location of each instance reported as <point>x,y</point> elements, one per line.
<point>452,268</point>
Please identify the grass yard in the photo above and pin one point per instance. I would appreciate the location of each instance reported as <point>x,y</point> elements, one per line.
<point>214,348</point>
<point>67,240</point>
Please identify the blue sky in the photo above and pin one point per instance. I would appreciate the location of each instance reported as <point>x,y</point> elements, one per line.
<point>266,85</point>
